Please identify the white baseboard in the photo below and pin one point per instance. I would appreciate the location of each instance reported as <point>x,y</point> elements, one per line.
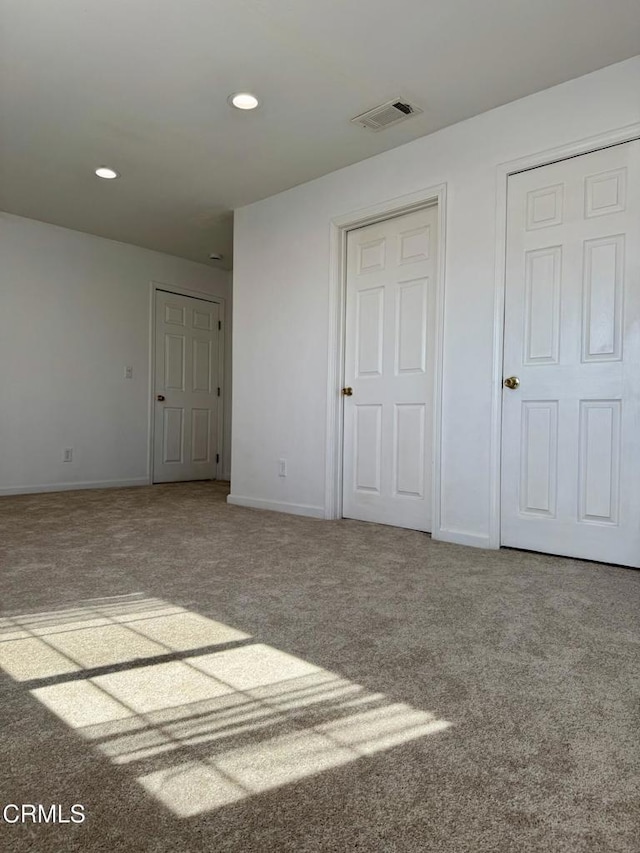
<point>277,506</point>
<point>66,487</point>
<point>461,537</point>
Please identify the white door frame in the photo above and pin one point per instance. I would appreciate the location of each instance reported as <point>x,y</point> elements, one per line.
<point>339,228</point>
<point>206,297</point>
<point>504,170</point>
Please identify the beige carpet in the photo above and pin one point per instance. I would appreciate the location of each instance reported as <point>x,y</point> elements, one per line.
<point>200,677</point>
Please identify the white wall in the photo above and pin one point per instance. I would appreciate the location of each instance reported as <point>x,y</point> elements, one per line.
<point>74,310</point>
<point>281,295</point>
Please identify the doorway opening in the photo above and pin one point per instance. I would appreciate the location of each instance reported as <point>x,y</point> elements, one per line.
<point>570,467</point>
<point>384,394</point>
<point>187,386</point>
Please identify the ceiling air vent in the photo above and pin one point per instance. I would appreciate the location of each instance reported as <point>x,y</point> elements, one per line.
<point>387,114</point>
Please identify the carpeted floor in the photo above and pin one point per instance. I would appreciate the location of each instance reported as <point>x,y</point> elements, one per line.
<point>310,686</point>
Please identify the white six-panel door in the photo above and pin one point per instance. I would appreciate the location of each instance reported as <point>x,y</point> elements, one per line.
<point>391,268</point>
<point>186,388</point>
<point>571,429</point>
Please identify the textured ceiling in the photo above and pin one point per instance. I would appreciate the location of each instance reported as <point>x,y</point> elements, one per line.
<point>142,85</point>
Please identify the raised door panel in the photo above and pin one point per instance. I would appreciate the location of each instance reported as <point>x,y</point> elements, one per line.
<point>539,457</point>
<point>411,326</point>
<point>602,299</point>
<point>202,357</point>
<point>173,435</point>
<point>543,270</point>
<point>414,245</point>
<point>409,450</point>
<point>202,319</point>
<point>200,435</point>
<point>371,256</point>
<point>605,193</point>
<point>174,315</point>
<point>599,478</point>
<point>367,448</point>
<point>369,331</point>
<point>174,362</point>
<point>545,207</point>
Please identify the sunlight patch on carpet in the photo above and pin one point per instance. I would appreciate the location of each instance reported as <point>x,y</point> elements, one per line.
<point>217,718</point>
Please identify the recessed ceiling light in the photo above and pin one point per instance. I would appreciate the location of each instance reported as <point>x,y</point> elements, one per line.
<point>107,173</point>
<point>243,101</point>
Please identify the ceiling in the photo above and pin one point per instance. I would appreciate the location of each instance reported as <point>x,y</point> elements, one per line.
<point>142,85</point>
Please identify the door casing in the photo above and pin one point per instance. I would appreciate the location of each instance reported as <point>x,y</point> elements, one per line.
<point>339,228</point>
<point>207,297</point>
<point>543,158</point>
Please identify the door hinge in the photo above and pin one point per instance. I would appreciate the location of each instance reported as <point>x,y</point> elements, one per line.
<point>218,392</point>
<point>217,458</point>
<point>219,324</point>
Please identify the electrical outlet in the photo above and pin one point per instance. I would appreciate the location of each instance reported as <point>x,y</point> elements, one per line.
<point>67,455</point>
<point>128,372</point>
<point>282,467</point>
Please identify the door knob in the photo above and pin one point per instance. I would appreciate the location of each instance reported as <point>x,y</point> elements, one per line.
<point>347,392</point>
<point>511,382</point>
<point>160,398</point>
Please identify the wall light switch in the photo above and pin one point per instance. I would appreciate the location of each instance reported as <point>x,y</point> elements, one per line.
<point>128,372</point>
<point>282,467</point>
<point>67,454</point>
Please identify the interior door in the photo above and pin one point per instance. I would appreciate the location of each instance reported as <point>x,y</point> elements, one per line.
<point>571,427</point>
<point>388,405</point>
<point>187,395</point>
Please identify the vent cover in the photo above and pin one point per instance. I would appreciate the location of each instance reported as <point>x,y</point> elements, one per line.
<point>387,114</point>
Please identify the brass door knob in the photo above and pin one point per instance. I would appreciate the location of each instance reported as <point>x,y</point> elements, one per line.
<point>511,382</point>
<point>160,398</point>
<point>347,392</point>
